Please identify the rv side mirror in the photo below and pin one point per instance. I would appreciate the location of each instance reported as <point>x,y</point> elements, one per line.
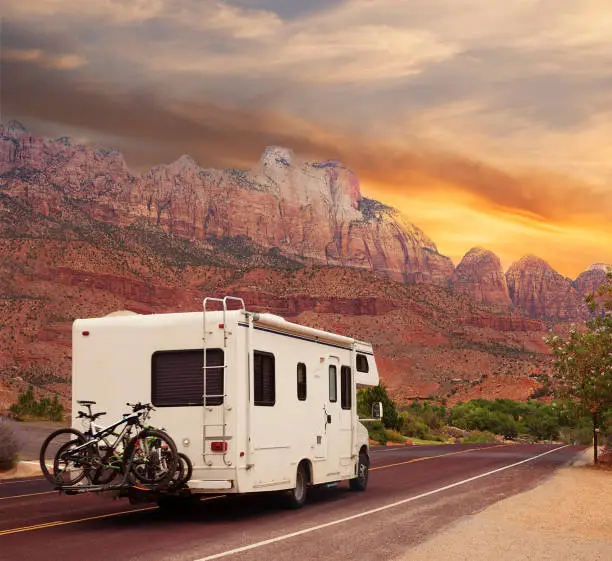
<point>377,410</point>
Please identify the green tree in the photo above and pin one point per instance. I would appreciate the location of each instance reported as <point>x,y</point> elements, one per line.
<point>583,361</point>
<point>368,396</point>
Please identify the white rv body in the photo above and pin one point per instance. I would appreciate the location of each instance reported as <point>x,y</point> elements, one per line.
<point>253,437</point>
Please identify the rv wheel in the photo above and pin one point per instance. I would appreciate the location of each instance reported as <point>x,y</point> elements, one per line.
<point>360,482</point>
<point>296,497</point>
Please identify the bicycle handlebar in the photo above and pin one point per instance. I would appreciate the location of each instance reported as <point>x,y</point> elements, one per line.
<point>140,406</point>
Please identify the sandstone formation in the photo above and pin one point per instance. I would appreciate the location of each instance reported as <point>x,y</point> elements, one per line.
<point>309,211</point>
<point>480,275</point>
<point>590,280</point>
<point>540,291</point>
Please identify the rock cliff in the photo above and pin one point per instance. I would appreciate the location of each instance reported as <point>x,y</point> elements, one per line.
<point>480,274</point>
<point>309,211</point>
<point>589,281</point>
<point>540,291</point>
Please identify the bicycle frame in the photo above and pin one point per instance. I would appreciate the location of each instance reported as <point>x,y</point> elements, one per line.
<point>128,421</point>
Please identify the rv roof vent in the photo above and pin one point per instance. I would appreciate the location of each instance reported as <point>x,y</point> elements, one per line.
<point>121,313</point>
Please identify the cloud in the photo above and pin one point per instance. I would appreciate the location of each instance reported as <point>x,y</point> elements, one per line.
<point>117,11</point>
<point>36,56</point>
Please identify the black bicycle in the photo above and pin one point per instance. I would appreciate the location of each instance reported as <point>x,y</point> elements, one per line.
<point>149,458</point>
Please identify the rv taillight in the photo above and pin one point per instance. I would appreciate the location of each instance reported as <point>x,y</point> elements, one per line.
<point>85,333</point>
<point>218,446</point>
<point>221,326</point>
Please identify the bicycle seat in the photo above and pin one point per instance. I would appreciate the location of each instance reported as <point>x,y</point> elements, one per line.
<point>84,402</point>
<point>96,415</point>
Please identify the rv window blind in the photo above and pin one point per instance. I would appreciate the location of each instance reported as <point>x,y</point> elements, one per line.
<point>177,377</point>
<point>301,381</point>
<point>345,387</point>
<point>264,379</point>
<point>362,363</point>
<point>333,384</point>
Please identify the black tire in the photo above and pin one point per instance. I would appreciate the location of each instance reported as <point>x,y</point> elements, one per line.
<point>296,497</point>
<point>103,475</point>
<point>157,467</point>
<point>69,471</point>
<point>360,483</point>
<point>183,472</point>
<point>52,444</point>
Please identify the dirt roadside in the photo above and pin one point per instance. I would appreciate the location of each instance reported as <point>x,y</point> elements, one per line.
<point>566,518</point>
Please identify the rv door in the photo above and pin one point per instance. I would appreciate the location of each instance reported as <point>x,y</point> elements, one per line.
<point>331,416</point>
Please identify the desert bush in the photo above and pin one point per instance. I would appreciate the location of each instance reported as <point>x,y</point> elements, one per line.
<point>478,437</point>
<point>28,406</point>
<point>412,426</point>
<point>580,435</point>
<point>8,446</point>
<point>376,431</point>
<point>394,436</point>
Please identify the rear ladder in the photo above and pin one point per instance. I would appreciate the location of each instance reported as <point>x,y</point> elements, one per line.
<point>205,398</point>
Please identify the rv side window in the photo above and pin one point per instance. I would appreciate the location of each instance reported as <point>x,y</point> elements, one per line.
<point>265,391</point>
<point>362,363</point>
<point>177,377</point>
<point>346,387</point>
<point>333,384</point>
<point>301,381</point>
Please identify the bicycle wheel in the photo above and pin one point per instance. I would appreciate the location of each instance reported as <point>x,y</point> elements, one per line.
<point>183,472</point>
<point>154,457</point>
<point>52,444</point>
<point>70,467</point>
<point>110,465</point>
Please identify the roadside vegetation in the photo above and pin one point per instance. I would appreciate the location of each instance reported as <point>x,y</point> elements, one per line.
<point>478,420</point>
<point>581,387</point>
<point>583,361</point>
<point>28,407</point>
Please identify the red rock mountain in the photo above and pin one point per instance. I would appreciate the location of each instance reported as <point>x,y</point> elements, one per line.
<point>480,274</point>
<point>312,212</point>
<point>540,291</point>
<point>590,280</point>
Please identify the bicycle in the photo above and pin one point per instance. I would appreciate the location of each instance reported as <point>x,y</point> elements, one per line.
<point>151,455</point>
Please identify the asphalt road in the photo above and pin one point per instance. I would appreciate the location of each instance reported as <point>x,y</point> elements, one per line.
<point>412,493</point>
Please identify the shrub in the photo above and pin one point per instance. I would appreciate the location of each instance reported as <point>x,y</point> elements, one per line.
<point>394,436</point>
<point>367,396</point>
<point>28,407</point>
<point>376,431</point>
<point>478,437</point>
<point>412,426</point>
<point>8,446</point>
<point>581,435</point>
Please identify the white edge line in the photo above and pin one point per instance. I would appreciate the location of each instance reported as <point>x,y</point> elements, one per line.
<point>374,510</point>
<point>12,482</point>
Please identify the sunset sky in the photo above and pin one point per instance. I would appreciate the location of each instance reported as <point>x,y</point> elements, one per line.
<point>487,122</point>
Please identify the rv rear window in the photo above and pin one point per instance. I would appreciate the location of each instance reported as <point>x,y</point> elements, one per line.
<point>333,384</point>
<point>177,378</point>
<point>301,381</point>
<point>346,387</point>
<point>264,379</point>
<point>362,363</point>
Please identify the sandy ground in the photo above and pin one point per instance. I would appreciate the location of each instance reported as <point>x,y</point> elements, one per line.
<point>569,517</point>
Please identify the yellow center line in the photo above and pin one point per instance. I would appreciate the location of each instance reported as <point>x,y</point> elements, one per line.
<point>26,495</point>
<point>64,522</point>
<point>434,457</point>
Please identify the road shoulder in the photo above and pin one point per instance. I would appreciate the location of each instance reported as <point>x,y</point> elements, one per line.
<point>566,518</point>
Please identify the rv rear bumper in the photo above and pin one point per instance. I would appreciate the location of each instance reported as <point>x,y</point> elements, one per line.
<point>211,486</point>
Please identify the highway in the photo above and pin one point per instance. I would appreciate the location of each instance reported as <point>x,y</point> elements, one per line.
<point>413,492</point>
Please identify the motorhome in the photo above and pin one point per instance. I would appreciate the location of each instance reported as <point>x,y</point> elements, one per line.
<point>256,402</point>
